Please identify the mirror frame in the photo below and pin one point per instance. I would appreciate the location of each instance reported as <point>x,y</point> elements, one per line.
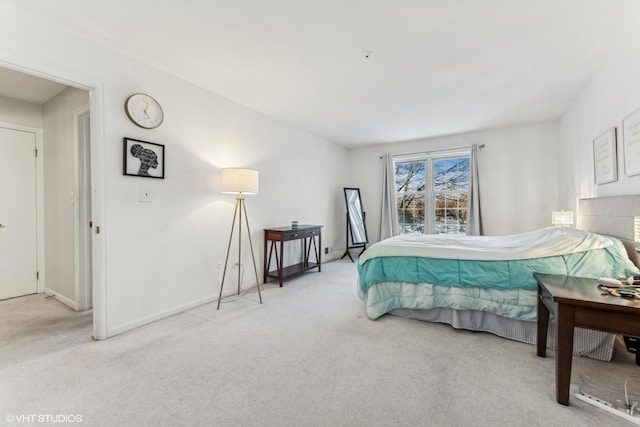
<point>356,218</point>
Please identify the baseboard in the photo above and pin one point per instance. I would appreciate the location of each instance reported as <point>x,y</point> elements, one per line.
<point>116,330</point>
<point>66,301</point>
<point>119,329</point>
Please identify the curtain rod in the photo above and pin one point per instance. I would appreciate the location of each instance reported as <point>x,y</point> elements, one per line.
<point>436,151</point>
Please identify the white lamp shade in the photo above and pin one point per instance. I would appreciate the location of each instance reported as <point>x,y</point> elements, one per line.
<point>235,181</point>
<point>562,218</point>
<point>636,228</point>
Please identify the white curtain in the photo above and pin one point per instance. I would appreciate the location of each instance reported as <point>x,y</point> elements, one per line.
<point>474,220</point>
<point>389,215</point>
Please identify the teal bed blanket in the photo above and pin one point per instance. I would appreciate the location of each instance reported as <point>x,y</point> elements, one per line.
<point>505,274</point>
<point>391,278</point>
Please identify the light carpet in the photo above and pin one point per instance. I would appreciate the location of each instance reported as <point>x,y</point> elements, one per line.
<point>308,356</point>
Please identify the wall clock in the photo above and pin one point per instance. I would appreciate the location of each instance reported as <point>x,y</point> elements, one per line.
<point>144,111</point>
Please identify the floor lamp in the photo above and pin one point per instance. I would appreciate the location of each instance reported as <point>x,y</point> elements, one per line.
<point>240,182</point>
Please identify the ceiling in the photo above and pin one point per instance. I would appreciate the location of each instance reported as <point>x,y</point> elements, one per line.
<point>361,72</point>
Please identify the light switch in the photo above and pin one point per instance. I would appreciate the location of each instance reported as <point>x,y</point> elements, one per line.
<point>145,195</point>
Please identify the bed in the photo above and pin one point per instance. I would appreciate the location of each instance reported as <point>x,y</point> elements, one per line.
<point>486,283</point>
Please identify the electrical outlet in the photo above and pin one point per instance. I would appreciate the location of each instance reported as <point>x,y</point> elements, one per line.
<point>326,251</point>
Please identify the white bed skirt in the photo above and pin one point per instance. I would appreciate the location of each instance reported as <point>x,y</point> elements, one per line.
<point>586,342</point>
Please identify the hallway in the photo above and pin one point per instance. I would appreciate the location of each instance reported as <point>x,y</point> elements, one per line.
<point>35,325</point>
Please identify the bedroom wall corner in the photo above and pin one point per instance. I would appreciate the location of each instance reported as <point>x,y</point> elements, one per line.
<point>611,95</point>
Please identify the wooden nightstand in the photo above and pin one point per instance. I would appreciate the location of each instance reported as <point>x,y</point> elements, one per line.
<point>577,302</point>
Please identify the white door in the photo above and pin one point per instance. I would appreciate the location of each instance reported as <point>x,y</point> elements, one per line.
<point>18,238</point>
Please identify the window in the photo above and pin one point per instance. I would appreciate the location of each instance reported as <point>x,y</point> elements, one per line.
<point>432,193</point>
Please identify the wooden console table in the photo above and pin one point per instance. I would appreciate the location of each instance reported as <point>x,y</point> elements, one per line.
<point>306,233</point>
<point>577,302</point>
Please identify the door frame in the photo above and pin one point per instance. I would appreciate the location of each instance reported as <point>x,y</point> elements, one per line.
<point>82,240</point>
<point>98,182</point>
<point>39,159</point>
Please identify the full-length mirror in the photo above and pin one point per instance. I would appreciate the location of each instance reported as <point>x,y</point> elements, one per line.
<point>356,216</point>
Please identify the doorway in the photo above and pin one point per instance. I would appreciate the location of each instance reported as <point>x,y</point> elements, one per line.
<point>18,212</point>
<point>68,147</point>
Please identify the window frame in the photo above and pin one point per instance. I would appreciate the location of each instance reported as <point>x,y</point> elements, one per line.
<point>429,192</point>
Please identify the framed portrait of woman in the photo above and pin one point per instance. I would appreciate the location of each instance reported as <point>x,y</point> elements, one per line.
<point>141,158</point>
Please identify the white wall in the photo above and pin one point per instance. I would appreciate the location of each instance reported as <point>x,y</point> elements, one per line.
<point>20,113</point>
<point>518,175</point>
<point>60,198</point>
<point>167,250</point>
<point>161,257</point>
<point>611,95</point>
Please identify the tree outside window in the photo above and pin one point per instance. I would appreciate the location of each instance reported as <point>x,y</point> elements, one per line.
<point>432,194</point>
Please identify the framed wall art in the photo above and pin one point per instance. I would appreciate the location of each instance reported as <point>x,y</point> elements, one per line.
<point>631,143</point>
<point>141,158</point>
<point>605,160</point>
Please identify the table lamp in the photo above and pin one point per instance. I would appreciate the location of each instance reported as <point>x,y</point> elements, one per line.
<point>562,218</point>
